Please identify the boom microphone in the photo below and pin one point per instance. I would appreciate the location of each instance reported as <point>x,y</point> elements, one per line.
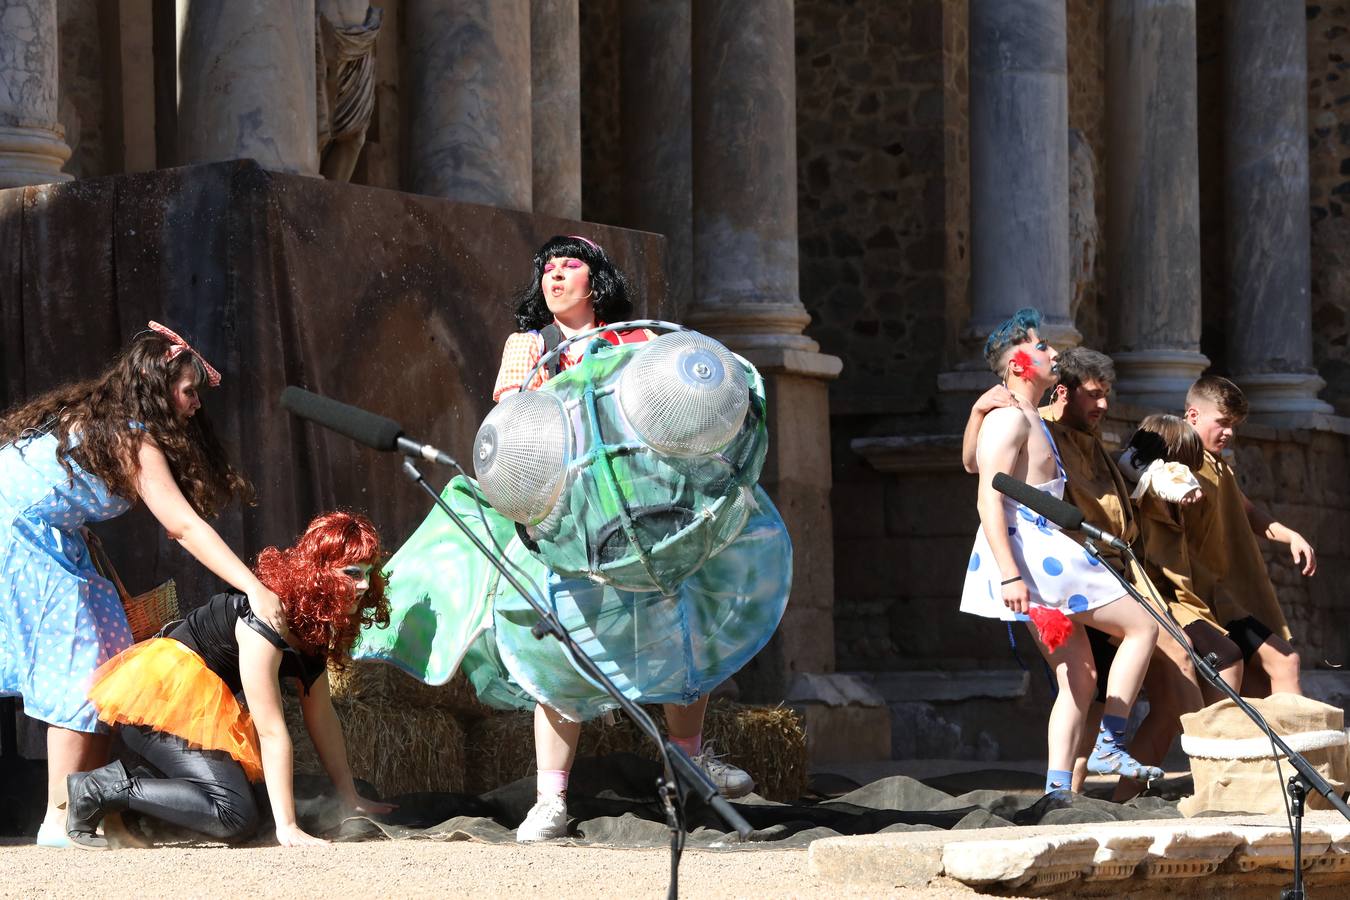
<point>364,427</point>
<point>1065,515</point>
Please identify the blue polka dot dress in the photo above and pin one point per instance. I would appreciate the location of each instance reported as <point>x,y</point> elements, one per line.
<point>1057,570</point>
<point>59,620</point>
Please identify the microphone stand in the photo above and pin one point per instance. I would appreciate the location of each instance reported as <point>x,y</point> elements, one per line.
<point>679,769</point>
<point>1305,778</point>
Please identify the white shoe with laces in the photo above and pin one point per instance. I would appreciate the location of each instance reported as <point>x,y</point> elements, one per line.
<point>546,820</point>
<point>732,782</point>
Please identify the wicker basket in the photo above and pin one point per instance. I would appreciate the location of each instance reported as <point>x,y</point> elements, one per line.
<point>147,612</point>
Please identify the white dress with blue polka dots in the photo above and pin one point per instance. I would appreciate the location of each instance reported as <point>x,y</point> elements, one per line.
<point>59,620</point>
<point>1057,570</point>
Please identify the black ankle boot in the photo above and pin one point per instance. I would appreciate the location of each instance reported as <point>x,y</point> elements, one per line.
<point>92,795</point>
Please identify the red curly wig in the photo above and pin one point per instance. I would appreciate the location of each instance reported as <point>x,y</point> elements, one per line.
<point>318,599</point>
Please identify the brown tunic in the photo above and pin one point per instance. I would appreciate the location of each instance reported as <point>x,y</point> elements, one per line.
<point>1096,487</point>
<point>1167,563</point>
<point>1228,570</point>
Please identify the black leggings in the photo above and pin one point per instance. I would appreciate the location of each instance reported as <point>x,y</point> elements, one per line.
<point>205,790</point>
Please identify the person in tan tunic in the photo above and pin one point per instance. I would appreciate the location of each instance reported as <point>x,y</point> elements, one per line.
<point>1229,571</point>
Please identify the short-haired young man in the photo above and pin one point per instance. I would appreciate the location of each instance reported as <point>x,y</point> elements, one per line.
<point>1229,571</point>
<point>1023,566</point>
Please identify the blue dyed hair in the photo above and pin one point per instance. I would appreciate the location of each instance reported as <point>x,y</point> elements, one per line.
<point>1009,334</point>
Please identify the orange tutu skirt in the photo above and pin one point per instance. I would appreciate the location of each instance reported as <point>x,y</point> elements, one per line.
<point>163,684</point>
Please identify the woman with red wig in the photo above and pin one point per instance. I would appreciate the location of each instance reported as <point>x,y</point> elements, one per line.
<point>173,697</point>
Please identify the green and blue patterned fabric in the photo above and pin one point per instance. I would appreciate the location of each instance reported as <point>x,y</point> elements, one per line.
<point>666,623</point>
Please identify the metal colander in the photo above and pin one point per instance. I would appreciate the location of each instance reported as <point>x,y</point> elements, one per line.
<point>520,455</point>
<point>684,394</point>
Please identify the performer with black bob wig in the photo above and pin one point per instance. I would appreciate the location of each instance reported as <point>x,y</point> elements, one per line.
<point>174,696</point>
<point>574,287</point>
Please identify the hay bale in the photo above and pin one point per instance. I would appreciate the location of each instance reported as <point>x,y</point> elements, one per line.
<point>375,681</point>
<point>768,742</point>
<point>397,747</point>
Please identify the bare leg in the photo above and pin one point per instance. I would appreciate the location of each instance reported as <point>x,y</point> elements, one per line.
<point>1138,635</point>
<point>69,752</point>
<point>684,722</point>
<point>1274,669</point>
<point>1076,680</point>
<point>555,739</point>
<point>1085,742</point>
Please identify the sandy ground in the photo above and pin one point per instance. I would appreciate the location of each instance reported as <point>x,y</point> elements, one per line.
<point>412,869</point>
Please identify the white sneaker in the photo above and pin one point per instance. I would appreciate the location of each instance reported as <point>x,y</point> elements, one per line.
<point>546,820</point>
<point>731,782</point>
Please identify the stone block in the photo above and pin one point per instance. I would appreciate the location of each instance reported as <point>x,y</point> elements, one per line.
<point>943,686</point>
<point>837,689</point>
<point>1273,848</point>
<point>849,733</point>
<point>1033,863</point>
<point>1118,855</point>
<point>887,859</point>
<point>1189,851</point>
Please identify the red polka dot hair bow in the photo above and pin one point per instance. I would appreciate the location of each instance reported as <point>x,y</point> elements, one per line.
<point>176,348</point>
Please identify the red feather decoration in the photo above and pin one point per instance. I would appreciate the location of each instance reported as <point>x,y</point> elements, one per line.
<point>1053,625</point>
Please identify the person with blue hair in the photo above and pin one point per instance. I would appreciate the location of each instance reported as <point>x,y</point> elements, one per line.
<point>1024,568</point>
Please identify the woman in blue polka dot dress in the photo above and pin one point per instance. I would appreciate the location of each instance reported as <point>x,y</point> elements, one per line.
<point>84,453</point>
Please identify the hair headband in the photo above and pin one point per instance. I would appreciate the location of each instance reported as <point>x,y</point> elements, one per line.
<point>176,347</point>
<point>587,241</point>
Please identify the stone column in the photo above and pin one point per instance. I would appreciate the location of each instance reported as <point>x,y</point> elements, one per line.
<point>555,84</point>
<point>1019,181</point>
<point>1266,186</point>
<point>32,142</point>
<point>469,100</point>
<point>246,83</point>
<point>657,115</point>
<point>746,294</point>
<point>1153,199</point>
<point>1019,165</point>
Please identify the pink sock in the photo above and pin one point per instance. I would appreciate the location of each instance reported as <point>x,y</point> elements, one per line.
<point>690,745</point>
<point>551,782</point>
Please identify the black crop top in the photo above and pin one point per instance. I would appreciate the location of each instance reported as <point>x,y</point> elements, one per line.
<point>209,632</point>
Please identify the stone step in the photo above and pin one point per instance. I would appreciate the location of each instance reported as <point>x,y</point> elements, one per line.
<point>1231,856</point>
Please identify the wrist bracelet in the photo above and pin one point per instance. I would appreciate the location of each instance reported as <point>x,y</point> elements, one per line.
<point>1011,580</point>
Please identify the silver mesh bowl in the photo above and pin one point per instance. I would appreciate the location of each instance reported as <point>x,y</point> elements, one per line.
<point>520,455</point>
<point>684,394</point>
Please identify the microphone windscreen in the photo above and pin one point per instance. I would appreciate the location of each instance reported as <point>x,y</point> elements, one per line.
<point>361,426</point>
<point>1065,515</point>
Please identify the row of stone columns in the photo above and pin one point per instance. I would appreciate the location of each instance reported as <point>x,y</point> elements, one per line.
<point>1019,185</point>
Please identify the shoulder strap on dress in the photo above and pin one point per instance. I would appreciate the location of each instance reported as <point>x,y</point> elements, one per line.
<point>245,612</point>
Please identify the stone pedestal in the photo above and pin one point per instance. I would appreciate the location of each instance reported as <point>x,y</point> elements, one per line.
<point>1266,195</point>
<point>1019,167</point>
<point>32,142</point>
<point>1153,217</point>
<point>658,175</point>
<point>555,101</point>
<point>469,101</point>
<point>746,294</point>
<point>246,83</point>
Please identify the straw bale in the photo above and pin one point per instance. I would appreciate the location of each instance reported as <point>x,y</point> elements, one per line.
<point>372,680</point>
<point>399,748</point>
<point>767,741</point>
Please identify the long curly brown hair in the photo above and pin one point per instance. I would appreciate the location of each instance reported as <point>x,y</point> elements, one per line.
<point>93,423</point>
<point>317,597</point>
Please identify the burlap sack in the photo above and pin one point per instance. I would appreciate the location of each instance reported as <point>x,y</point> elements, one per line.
<point>1232,762</point>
